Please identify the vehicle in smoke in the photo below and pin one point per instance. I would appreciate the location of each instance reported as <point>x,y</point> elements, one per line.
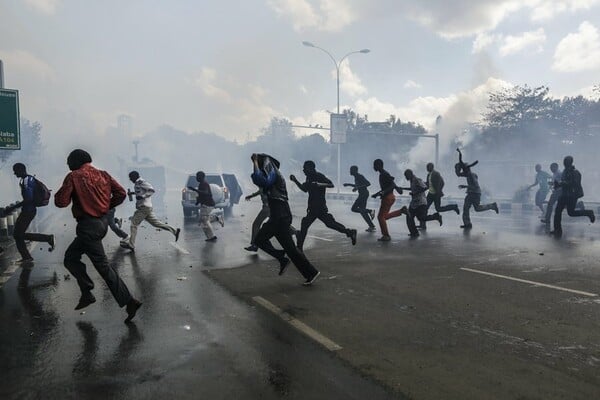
<point>225,189</point>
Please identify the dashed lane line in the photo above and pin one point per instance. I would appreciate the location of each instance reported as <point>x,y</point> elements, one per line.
<point>179,248</point>
<point>476,271</point>
<point>320,238</point>
<point>299,325</point>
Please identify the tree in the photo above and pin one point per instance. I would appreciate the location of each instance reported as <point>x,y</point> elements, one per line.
<point>517,107</point>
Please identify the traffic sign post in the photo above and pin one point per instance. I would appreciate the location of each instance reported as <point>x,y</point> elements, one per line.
<point>10,132</point>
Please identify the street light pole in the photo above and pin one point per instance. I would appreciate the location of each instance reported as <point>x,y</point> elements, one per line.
<point>337,70</point>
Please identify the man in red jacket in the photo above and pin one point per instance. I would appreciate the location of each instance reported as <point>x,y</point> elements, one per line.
<point>93,192</point>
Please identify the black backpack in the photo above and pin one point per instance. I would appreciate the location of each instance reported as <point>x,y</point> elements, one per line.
<point>41,194</point>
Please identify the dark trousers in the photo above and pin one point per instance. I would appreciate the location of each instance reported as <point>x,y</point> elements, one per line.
<point>436,200</point>
<point>280,229</point>
<point>569,203</point>
<point>113,225</point>
<point>23,221</point>
<point>360,206</point>
<point>90,232</point>
<point>474,200</point>
<point>551,202</point>
<point>324,216</point>
<point>419,213</point>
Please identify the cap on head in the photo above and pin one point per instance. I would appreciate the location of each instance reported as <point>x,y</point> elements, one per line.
<point>200,175</point>
<point>77,158</point>
<point>134,176</point>
<point>568,161</point>
<point>353,170</point>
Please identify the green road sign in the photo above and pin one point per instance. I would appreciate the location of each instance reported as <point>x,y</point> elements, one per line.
<point>10,133</point>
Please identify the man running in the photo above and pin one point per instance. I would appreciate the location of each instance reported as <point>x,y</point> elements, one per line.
<point>27,184</point>
<point>360,204</point>
<point>541,179</point>
<point>143,190</point>
<point>93,193</point>
<point>556,191</point>
<point>266,175</point>
<point>207,205</point>
<point>315,185</point>
<point>387,185</point>
<point>473,197</point>
<point>571,192</point>
<point>435,184</point>
<point>418,204</point>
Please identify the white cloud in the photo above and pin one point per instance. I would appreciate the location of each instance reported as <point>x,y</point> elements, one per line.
<point>44,6</point>
<point>483,41</point>
<point>322,15</point>
<point>410,84</point>
<point>27,64</point>
<point>303,89</point>
<point>350,83</point>
<point>526,40</point>
<point>543,10</point>
<point>579,51</point>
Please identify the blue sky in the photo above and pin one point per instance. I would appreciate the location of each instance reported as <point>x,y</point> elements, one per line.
<point>229,66</point>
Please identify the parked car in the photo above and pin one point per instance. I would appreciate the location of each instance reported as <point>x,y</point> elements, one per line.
<point>225,189</point>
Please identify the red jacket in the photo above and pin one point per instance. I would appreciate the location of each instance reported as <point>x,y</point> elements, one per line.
<point>92,191</point>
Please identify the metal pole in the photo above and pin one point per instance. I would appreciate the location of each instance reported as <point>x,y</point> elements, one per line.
<point>437,148</point>
<point>339,148</point>
<point>1,75</point>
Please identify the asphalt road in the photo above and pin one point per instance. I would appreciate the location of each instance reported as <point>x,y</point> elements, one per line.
<point>445,316</point>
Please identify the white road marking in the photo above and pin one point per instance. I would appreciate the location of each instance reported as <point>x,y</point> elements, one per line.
<point>531,282</point>
<point>178,247</point>
<point>8,273</point>
<point>320,238</point>
<point>299,325</point>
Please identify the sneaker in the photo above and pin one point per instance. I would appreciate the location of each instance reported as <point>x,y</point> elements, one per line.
<point>353,236</point>
<point>414,235</point>
<point>85,300</point>
<point>310,281</point>
<point>51,243</point>
<point>212,239</point>
<point>372,214</point>
<point>283,263</point>
<point>469,226</point>
<point>371,229</point>
<point>495,208</point>
<point>439,218</point>
<point>221,220</point>
<point>132,308</point>
<point>384,238</point>
<point>252,247</point>
<point>126,245</point>
<point>177,232</point>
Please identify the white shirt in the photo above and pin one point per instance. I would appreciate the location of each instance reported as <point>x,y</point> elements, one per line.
<point>143,190</point>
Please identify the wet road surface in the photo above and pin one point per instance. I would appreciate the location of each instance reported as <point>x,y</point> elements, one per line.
<point>410,315</point>
<point>191,338</point>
